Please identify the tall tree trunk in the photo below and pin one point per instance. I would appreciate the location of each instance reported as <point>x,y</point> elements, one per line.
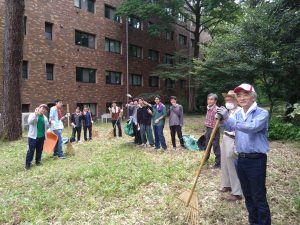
<point>12,64</point>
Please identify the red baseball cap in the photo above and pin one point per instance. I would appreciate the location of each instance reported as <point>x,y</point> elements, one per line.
<point>244,87</point>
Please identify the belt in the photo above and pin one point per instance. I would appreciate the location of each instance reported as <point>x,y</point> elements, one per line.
<point>252,155</point>
<point>229,135</point>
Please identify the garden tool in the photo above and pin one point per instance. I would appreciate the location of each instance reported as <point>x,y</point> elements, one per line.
<point>189,197</point>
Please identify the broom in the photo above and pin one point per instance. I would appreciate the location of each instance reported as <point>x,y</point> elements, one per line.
<point>189,198</point>
<point>111,133</point>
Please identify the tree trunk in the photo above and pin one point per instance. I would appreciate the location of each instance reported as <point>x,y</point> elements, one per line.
<point>12,64</point>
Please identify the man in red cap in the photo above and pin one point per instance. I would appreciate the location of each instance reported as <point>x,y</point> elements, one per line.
<point>251,135</point>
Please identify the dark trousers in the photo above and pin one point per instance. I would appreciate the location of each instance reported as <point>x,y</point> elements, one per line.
<point>117,123</point>
<point>137,135</point>
<point>176,129</point>
<point>159,137</point>
<point>74,131</point>
<point>85,129</point>
<point>215,145</point>
<point>252,175</point>
<point>34,145</point>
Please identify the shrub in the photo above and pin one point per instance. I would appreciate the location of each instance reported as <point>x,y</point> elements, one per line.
<point>278,130</point>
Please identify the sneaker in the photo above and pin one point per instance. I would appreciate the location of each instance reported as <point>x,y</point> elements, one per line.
<point>217,166</point>
<point>62,157</point>
<point>225,189</point>
<point>233,198</point>
<point>38,163</point>
<point>27,167</point>
<point>156,148</point>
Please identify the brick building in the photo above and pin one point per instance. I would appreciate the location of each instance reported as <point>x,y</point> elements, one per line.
<point>76,50</point>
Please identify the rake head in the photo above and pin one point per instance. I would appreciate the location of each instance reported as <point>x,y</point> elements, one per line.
<point>192,214</point>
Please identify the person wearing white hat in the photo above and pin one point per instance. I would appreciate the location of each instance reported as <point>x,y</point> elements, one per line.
<point>251,136</point>
<point>229,178</point>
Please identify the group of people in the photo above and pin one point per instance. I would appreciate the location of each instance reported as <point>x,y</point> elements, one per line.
<point>242,155</point>
<point>39,124</point>
<point>148,119</point>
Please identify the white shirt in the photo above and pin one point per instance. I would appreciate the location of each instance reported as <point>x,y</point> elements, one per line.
<point>245,115</point>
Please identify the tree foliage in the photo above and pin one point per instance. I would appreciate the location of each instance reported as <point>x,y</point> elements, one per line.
<point>262,49</point>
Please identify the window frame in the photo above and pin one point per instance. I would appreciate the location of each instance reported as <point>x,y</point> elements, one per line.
<point>87,9</point>
<point>109,40</point>
<point>150,81</point>
<point>133,21</point>
<point>169,37</point>
<point>135,51</point>
<point>82,80</point>
<point>27,69</point>
<point>131,80</point>
<point>49,35</point>
<point>150,54</point>
<point>167,85</point>
<point>181,38</point>
<point>111,8</point>
<point>169,57</point>
<point>85,40</point>
<point>108,73</point>
<point>47,73</point>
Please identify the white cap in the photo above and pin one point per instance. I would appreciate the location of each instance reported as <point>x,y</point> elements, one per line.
<point>244,87</point>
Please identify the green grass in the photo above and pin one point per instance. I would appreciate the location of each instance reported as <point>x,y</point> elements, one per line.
<point>111,181</point>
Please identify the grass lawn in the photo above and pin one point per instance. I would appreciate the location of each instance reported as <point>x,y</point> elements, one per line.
<point>111,181</point>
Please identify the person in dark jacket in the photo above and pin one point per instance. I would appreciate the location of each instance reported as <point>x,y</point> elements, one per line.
<point>144,117</point>
<point>176,121</point>
<point>76,122</point>
<point>87,122</point>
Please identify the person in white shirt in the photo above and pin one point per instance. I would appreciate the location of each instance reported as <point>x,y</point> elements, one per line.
<point>229,179</point>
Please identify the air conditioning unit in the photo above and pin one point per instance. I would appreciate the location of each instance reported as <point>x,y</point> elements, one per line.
<point>25,124</point>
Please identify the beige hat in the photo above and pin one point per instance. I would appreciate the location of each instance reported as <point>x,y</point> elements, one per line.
<point>229,94</point>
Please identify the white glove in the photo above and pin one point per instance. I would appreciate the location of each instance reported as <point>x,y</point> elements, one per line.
<point>222,113</point>
<point>156,121</point>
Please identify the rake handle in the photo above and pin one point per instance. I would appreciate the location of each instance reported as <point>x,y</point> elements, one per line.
<point>203,160</point>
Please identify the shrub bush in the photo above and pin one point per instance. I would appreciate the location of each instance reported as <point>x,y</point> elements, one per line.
<point>278,130</point>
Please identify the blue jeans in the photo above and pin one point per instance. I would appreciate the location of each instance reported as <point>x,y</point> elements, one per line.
<point>58,150</point>
<point>159,137</point>
<point>34,145</point>
<point>252,175</point>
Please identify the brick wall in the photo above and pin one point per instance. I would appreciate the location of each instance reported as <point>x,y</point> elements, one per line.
<point>66,56</point>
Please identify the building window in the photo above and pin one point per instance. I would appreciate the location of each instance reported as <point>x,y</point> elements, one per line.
<point>25,108</point>
<point>112,46</point>
<point>169,59</point>
<point>110,13</point>
<point>25,70</point>
<point>92,106</point>
<point>192,43</point>
<point>153,55</point>
<point>85,39</point>
<point>153,81</point>
<point>49,71</point>
<point>25,25</point>
<point>170,35</point>
<point>48,30</point>
<point>135,51</point>
<point>181,18</point>
<point>182,84</point>
<point>113,77</point>
<point>135,79</point>
<point>87,5</point>
<point>182,39</point>
<point>169,83</point>
<point>85,75</point>
<point>135,22</point>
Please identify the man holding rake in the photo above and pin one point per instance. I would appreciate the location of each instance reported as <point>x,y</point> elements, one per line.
<point>251,135</point>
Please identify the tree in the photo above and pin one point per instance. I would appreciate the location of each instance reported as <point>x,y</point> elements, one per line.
<point>195,17</point>
<point>12,63</point>
<point>262,49</point>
